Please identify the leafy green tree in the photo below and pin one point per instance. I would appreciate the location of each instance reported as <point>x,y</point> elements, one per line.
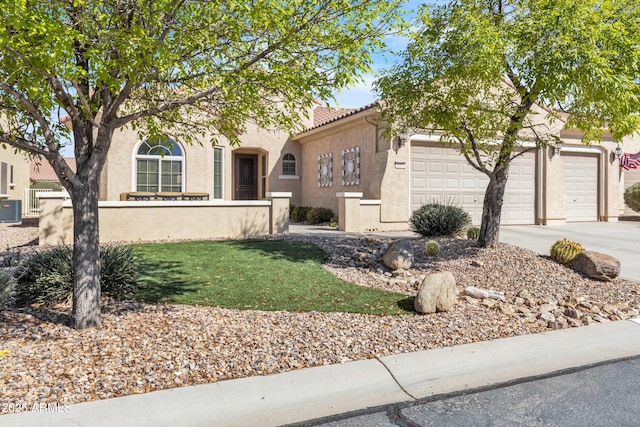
<point>489,74</point>
<point>183,67</point>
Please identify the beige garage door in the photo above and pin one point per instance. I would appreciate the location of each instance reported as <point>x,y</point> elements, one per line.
<point>442,174</point>
<point>581,183</point>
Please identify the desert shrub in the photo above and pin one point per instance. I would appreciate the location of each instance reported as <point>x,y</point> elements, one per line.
<point>299,213</point>
<point>564,251</point>
<point>437,219</point>
<point>118,271</point>
<point>473,233</point>
<point>632,197</point>
<point>10,258</point>
<point>6,286</point>
<point>319,215</point>
<point>432,248</point>
<point>46,277</point>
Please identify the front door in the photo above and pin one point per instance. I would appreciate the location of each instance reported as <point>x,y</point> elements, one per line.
<point>246,177</point>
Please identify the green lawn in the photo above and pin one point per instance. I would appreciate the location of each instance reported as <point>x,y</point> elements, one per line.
<point>256,275</point>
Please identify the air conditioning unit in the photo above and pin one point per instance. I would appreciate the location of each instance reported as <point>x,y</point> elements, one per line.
<point>10,210</point>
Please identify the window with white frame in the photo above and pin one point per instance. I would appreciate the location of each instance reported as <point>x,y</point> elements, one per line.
<point>289,165</point>
<point>160,166</point>
<point>218,169</point>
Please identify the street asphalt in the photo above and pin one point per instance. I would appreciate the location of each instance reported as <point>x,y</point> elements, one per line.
<point>553,378</point>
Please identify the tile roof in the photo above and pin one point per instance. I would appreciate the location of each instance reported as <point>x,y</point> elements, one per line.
<point>323,115</point>
<point>42,171</point>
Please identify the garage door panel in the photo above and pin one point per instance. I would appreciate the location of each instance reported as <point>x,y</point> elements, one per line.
<point>465,186</point>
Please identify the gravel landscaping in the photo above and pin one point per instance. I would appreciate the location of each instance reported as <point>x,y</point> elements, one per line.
<point>145,347</point>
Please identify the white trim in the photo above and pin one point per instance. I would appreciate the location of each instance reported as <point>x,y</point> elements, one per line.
<point>134,165</point>
<point>349,195</point>
<point>370,202</point>
<point>179,203</point>
<point>279,194</point>
<point>288,177</point>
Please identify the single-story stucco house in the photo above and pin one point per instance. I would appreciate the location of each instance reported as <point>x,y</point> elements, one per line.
<point>343,151</point>
<point>344,162</point>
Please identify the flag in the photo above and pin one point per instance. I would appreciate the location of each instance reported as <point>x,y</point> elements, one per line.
<point>630,161</point>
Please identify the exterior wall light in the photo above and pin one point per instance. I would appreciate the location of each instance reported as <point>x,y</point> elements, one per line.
<point>403,138</point>
<point>556,147</point>
<point>618,151</point>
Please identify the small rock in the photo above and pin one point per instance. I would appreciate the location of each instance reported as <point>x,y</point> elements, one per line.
<point>573,323</point>
<point>495,295</point>
<point>572,313</point>
<point>400,273</point>
<point>477,263</point>
<point>474,292</point>
<point>488,302</point>
<point>509,311</point>
<point>547,317</point>
<point>610,309</point>
<point>600,319</point>
<point>548,307</point>
<point>523,309</point>
<point>436,293</point>
<point>399,255</point>
<point>524,294</point>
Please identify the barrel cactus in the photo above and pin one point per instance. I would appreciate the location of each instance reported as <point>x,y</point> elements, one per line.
<point>473,233</point>
<point>564,251</point>
<point>432,248</point>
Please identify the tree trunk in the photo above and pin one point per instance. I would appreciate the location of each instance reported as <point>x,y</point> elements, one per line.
<point>86,256</point>
<point>492,209</point>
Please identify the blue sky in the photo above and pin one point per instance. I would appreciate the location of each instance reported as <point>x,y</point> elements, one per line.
<point>362,94</point>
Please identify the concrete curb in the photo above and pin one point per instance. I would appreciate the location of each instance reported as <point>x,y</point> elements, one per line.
<point>329,390</point>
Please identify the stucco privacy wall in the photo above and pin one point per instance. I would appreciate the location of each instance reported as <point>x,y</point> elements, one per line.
<point>152,221</point>
<point>357,215</point>
<point>118,173</point>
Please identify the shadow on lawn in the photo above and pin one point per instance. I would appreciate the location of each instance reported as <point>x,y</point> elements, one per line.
<point>406,304</point>
<point>160,281</point>
<point>283,249</point>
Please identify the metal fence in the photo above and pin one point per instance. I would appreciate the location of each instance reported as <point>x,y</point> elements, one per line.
<point>31,205</point>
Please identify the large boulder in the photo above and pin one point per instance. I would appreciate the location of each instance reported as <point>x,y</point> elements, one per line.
<point>437,292</point>
<point>399,255</point>
<point>596,265</point>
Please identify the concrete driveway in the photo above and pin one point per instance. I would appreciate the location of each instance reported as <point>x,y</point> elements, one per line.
<point>618,239</point>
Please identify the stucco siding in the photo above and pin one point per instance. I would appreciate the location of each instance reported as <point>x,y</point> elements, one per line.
<point>16,185</point>
<point>361,134</point>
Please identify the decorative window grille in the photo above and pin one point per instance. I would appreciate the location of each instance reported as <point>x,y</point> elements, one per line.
<point>351,166</point>
<point>325,170</point>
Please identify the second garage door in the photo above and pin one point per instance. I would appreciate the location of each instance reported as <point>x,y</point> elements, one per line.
<point>442,174</point>
<point>581,183</point>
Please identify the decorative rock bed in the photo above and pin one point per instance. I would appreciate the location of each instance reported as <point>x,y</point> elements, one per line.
<point>146,347</point>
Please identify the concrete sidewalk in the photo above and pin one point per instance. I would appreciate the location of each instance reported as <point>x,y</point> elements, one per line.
<point>319,392</point>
